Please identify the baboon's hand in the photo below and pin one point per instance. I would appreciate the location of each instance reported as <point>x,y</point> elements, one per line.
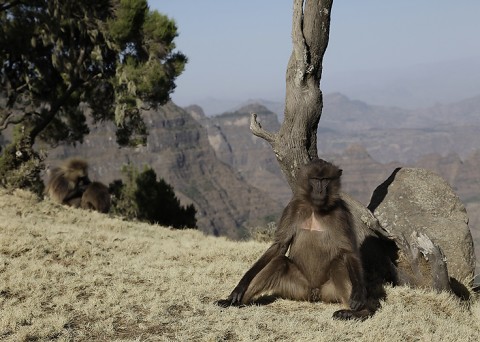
<point>224,303</point>
<point>346,314</point>
<point>237,295</point>
<point>235,298</point>
<point>358,299</point>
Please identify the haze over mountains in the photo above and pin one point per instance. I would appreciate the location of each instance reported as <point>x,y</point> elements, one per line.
<point>416,86</point>
<point>393,133</point>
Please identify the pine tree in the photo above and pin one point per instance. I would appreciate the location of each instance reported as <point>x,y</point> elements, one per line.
<point>60,60</point>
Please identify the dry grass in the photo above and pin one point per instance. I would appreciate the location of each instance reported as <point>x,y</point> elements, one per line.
<point>72,275</point>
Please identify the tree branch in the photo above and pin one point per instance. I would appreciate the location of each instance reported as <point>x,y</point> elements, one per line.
<point>299,45</point>
<point>14,117</point>
<point>53,111</point>
<point>9,119</point>
<point>8,5</point>
<point>59,103</point>
<point>258,131</point>
<point>316,31</point>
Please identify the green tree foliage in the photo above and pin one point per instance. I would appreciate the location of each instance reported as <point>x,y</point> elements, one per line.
<point>144,198</point>
<point>27,164</point>
<point>123,194</point>
<point>58,58</point>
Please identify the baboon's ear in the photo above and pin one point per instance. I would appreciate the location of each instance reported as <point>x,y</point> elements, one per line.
<point>340,171</point>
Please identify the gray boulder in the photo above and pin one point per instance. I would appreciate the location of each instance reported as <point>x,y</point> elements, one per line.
<point>416,202</point>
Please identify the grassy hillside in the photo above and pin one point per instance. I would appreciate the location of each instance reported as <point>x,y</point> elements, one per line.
<point>73,275</point>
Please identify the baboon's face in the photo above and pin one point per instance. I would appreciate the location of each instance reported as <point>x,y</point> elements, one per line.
<point>83,182</point>
<point>319,190</point>
<point>320,183</point>
<point>81,179</point>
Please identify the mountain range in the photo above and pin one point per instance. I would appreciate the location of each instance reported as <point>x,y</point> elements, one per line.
<point>393,133</point>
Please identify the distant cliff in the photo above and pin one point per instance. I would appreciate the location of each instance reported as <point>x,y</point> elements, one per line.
<point>229,135</point>
<point>178,149</point>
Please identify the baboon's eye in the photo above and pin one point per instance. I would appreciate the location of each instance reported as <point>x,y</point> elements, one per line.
<point>83,180</point>
<point>318,184</point>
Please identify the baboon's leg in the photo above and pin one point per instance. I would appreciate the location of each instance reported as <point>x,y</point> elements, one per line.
<point>281,278</point>
<point>339,289</point>
<point>74,202</point>
<point>332,292</point>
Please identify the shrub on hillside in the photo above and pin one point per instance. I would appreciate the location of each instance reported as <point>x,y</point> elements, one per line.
<point>263,233</point>
<point>144,198</point>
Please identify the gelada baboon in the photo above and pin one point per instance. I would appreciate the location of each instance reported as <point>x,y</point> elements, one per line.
<point>323,263</point>
<point>68,182</point>
<point>96,197</point>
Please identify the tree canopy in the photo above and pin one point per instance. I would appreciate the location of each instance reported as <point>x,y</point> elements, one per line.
<point>63,63</point>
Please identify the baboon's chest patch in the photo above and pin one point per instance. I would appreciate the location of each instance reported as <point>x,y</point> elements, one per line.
<point>313,224</point>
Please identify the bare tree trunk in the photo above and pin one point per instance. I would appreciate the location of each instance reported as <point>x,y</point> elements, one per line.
<point>295,144</point>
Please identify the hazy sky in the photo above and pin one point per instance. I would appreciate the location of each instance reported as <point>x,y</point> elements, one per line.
<point>239,50</point>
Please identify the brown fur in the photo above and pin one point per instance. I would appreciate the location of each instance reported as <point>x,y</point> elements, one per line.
<point>96,197</point>
<point>68,182</point>
<point>323,263</point>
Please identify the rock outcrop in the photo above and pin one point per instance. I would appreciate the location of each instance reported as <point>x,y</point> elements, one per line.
<point>416,203</point>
